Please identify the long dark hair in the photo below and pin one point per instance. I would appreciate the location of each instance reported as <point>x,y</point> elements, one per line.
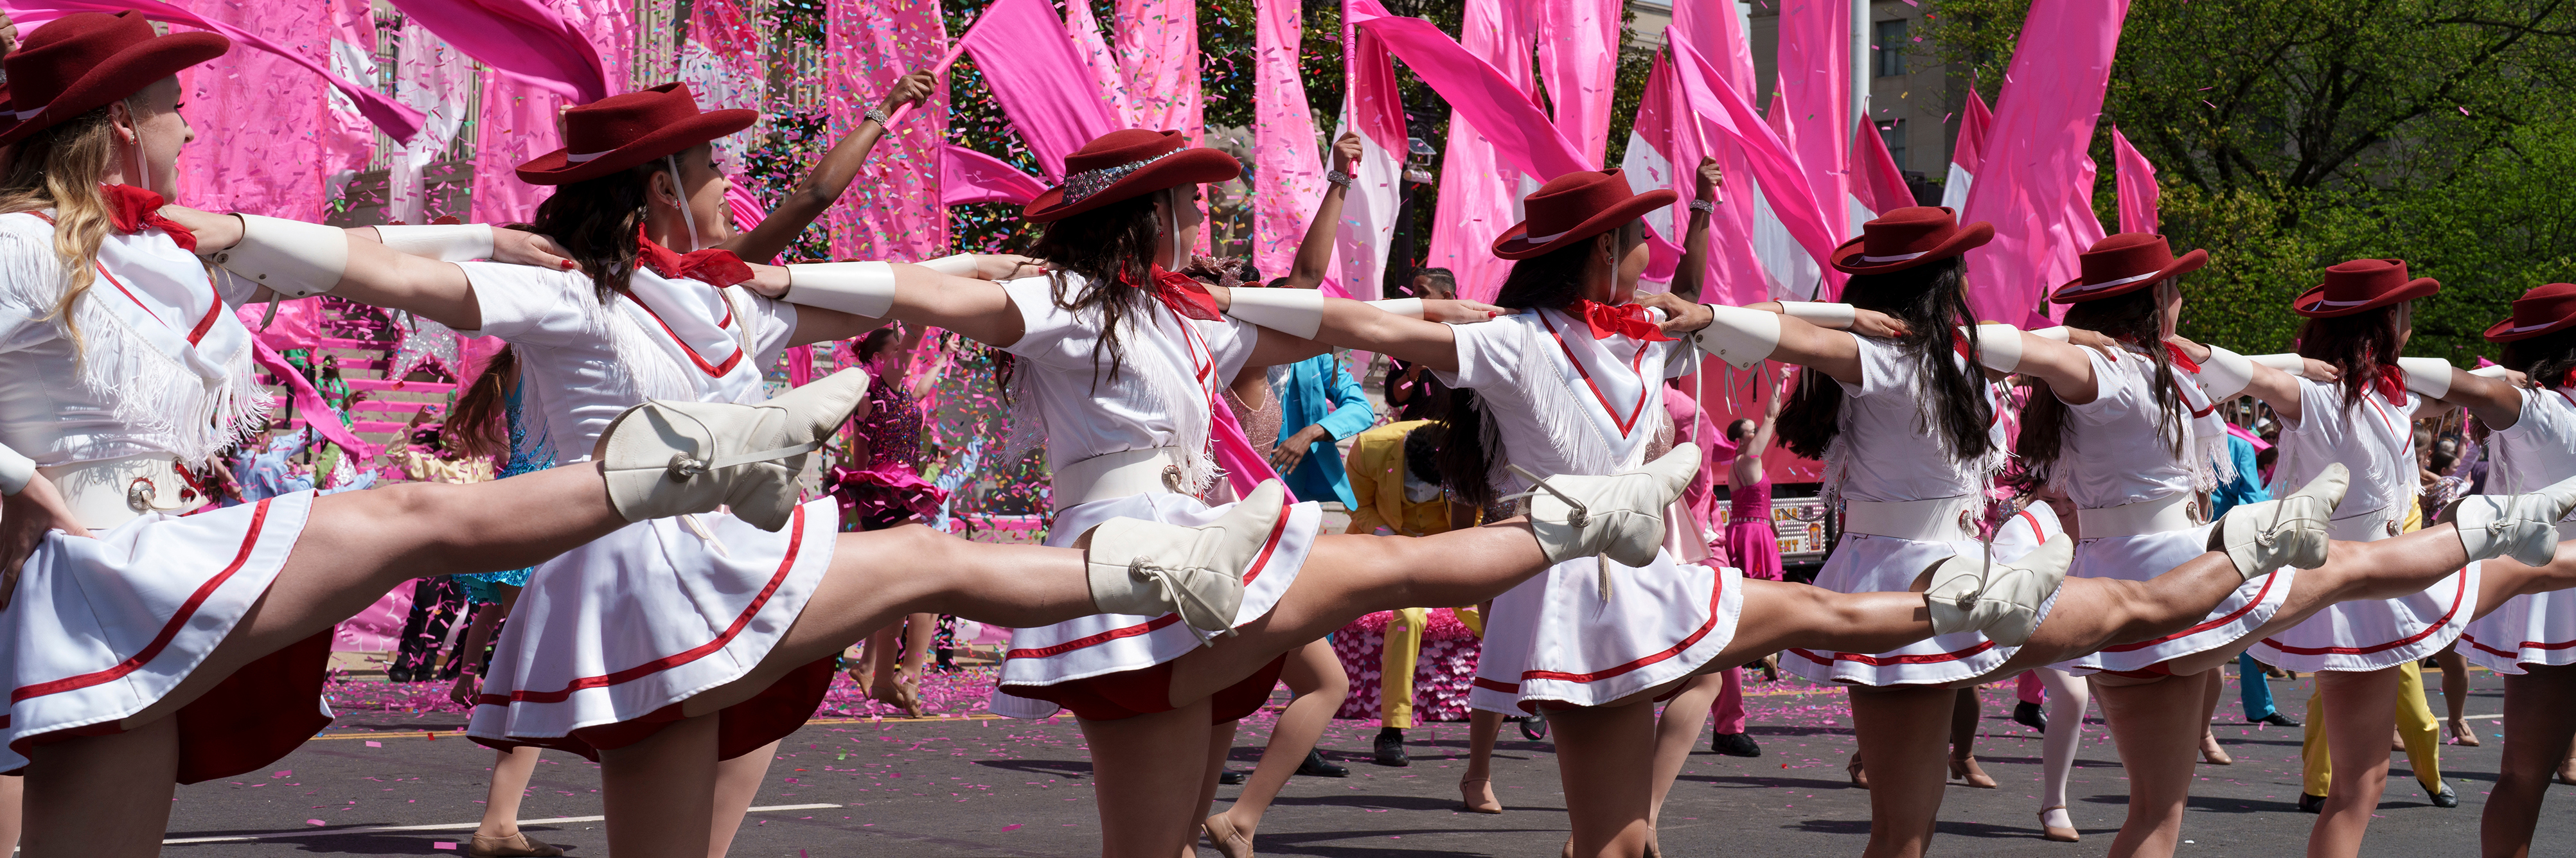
<point>2546,358</point>
<point>1931,300</point>
<point>478,426</point>
<point>2132,318</point>
<point>1552,281</point>
<point>2356,344</point>
<point>1112,247</point>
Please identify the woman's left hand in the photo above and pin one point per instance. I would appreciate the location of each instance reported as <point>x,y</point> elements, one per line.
<point>1459,311</point>
<point>527,248</point>
<point>214,232</point>
<point>1680,316</point>
<point>1007,266</point>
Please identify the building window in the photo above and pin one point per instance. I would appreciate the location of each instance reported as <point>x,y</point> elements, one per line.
<point>1892,133</point>
<point>1890,45</point>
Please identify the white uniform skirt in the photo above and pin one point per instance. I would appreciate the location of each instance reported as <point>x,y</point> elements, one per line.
<point>2539,628</point>
<point>1864,563</point>
<point>1554,641</point>
<point>103,628</point>
<point>1103,644</point>
<point>607,639</point>
<point>2147,555</point>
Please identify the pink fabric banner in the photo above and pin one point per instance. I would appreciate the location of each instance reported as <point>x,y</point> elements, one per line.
<point>519,123</point>
<point>526,39</point>
<point>2035,182</point>
<point>2138,191</point>
<point>1875,180</point>
<point>1480,194</point>
<point>437,80</point>
<point>1476,90</point>
<point>1039,80</point>
<point>397,121</point>
<point>1815,66</point>
<point>378,628</point>
<point>1722,109</point>
<point>893,211</point>
<point>1969,152</point>
<point>968,176</point>
<point>308,402</point>
<point>1665,145</point>
<point>1737,273</point>
<point>1714,28</point>
<point>348,140</point>
<point>1084,29</point>
<point>1158,45</point>
<point>1373,108</point>
<point>1578,55</point>
<point>1288,171</point>
<point>271,161</point>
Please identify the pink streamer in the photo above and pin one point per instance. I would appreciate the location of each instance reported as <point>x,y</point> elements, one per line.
<point>266,113</point>
<point>308,402</point>
<point>1290,180</point>
<point>348,139</point>
<point>1475,89</point>
<point>1876,181</point>
<point>1723,109</point>
<point>1480,196</point>
<point>2035,183</point>
<point>968,176</point>
<point>1039,80</point>
<point>518,124</point>
<point>1374,109</point>
<point>1578,52</point>
<point>1815,81</point>
<point>398,122</point>
<point>1084,29</point>
<point>1969,153</point>
<point>522,38</point>
<point>894,210</point>
<point>1665,146</point>
<point>2138,191</point>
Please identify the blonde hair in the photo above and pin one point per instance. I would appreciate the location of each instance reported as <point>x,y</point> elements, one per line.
<point>61,168</point>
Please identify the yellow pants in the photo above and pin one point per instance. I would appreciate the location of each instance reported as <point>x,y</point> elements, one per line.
<point>2414,724</point>
<point>1395,662</point>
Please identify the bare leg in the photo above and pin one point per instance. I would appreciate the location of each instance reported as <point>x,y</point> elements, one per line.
<point>657,793</point>
<point>126,776</point>
<point>2361,711</point>
<point>1476,784</point>
<point>1902,729</point>
<point>1220,745</point>
<point>737,783</point>
<point>2213,691</point>
<point>2540,721</point>
<point>1148,770</point>
<point>1599,750</point>
<point>511,770</point>
<point>2455,691</point>
<point>1964,716</point>
<point>1678,731</point>
<point>13,791</point>
<point>1315,676</point>
<point>2154,723</point>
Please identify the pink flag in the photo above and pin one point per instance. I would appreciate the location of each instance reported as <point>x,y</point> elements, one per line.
<point>1039,80</point>
<point>518,124</point>
<point>1160,41</point>
<point>271,162</point>
<point>1876,181</point>
<point>893,211</point>
<point>2035,183</point>
<point>348,139</point>
<point>1969,153</point>
<point>525,39</point>
<point>1475,89</point>
<point>1375,109</point>
<point>1663,152</point>
<point>1736,275</point>
<point>1578,54</point>
<point>437,80</point>
<point>1103,62</point>
<point>1480,194</point>
<point>2138,191</point>
<point>1784,188</point>
<point>1289,179</point>
<point>398,122</point>
<point>968,176</point>
<point>1815,81</point>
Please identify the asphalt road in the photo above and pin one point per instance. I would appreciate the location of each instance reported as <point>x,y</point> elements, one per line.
<point>1015,788</point>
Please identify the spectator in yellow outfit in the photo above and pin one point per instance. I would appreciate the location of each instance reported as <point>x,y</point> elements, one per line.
<point>2415,727</point>
<point>1397,485</point>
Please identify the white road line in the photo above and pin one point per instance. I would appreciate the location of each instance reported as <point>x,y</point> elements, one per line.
<point>461,826</point>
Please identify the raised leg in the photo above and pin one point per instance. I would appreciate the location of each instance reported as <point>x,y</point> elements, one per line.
<point>1678,731</point>
<point>1147,770</point>
<point>1315,676</point>
<point>2540,721</point>
<point>657,793</point>
<point>2362,710</point>
<point>2154,723</point>
<point>737,783</point>
<point>1599,751</point>
<point>1902,730</point>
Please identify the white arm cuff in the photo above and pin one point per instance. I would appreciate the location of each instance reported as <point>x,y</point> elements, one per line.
<point>2060,333</point>
<point>15,471</point>
<point>959,265</point>
<point>858,288</point>
<point>2426,375</point>
<point>291,258</point>
<point>1738,336</point>
<point>446,243</point>
<point>2496,371</point>
<point>1998,346</point>
<point>2289,363</point>
<point>1410,308</point>
<point>1820,314</point>
<point>1295,312</point>
<point>2225,374</point>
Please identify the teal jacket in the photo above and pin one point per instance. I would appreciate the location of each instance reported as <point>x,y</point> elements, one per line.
<point>1319,391</point>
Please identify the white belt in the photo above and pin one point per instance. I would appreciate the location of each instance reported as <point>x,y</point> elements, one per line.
<point>1937,520</point>
<point>2369,526</point>
<point>2177,511</point>
<point>110,492</point>
<point>1153,470</point>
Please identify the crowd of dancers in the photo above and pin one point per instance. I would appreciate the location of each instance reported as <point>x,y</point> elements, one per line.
<point>681,609</point>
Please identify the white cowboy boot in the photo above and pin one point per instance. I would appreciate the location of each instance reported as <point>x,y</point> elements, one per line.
<point>1620,515</point>
<point>2292,531</point>
<point>671,458</point>
<point>2523,527</point>
<point>1148,568</point>
<point>1969,594</point>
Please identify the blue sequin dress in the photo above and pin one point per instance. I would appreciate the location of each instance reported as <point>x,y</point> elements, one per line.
<point>530,452</point>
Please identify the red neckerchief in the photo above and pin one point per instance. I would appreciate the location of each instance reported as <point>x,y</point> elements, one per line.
<point>1186,297</point>
<point>130,209</point>
<point>2175,352</point>
<point>1628,319</point>
<point>2391,382</point>
<point>714,267</point>
<point>2570,380</point>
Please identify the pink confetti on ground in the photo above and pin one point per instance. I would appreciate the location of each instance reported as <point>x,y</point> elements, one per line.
<point>315,822</point>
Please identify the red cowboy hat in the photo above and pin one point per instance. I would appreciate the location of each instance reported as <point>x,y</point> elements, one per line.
<point>616,133</point>
<point>2125,263</point>
<point>2362,284</point>
<point>1126,164</point>
<point>1574,207</point>
<point>1908,237</point>
<point>86,60</point>
<point>2543,310</point>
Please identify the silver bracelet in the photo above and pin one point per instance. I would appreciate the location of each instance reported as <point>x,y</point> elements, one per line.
<point>1703,205</point>
<point>874,115</point>
<point>1339,178</point>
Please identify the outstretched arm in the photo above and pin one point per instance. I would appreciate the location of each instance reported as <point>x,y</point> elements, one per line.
<point>1315,251</point>
<point>1694,267</point>
<point>2226,375</point>
<point>293,259</point>
<point>832,175</point>
<point>2496,401</point>
<point>839,300</point>
<point>1743,336</point>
